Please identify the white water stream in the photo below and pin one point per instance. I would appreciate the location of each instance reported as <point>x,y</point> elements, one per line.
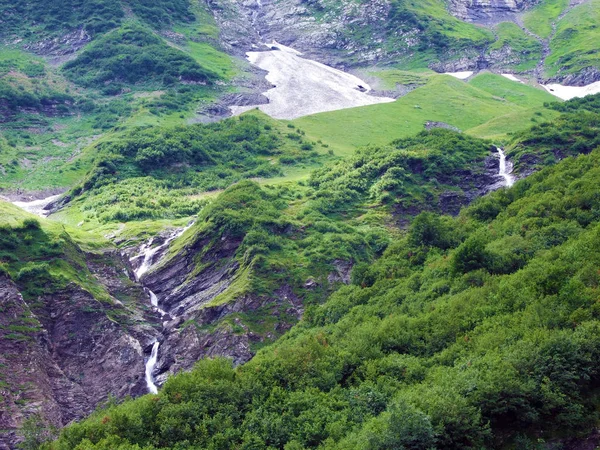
<point>304,87</point>
<point>150,368</point>
<point>505,169</point>
<point>150,258</point>
<point>149,253</point>
<point>154,302</point>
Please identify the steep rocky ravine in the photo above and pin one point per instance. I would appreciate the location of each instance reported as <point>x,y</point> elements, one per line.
<point>192,326</point>
<point>66,352</point>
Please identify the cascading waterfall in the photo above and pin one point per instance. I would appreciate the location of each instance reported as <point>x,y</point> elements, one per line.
<point>148,261</point>
<point>150,368</point>
<point>149,253</point>
<point>504,172</point>
<point>149,258</point>
<point>154,302</point>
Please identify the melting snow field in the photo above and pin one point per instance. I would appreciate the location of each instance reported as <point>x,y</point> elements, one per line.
<point>569,92</point>
<point>37,206</point>
<point>304,87</point>
<point>459,75</point>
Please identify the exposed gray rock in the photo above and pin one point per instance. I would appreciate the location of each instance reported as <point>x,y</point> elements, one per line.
<point>429,125</point>
<point>60,46</point>
<point>343,270</point>
<point>587,76</point>
<point>72,355</point>
<point>487,11</point>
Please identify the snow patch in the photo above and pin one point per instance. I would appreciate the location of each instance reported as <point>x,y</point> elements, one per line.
<point>460,75</point>
<point>511,77</point>
<point>303,87</point>
<point>37,206</point>
<point>569,92</point>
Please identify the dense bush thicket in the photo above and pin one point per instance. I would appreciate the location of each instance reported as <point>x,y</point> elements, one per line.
<point>43,99</point>
<point>27,18</point>
<point>574,132</point>
<point>589,102</point>
<point>130,55</point>
<point>155,172</point>
<point>480,331</point>
<point>411,172</point>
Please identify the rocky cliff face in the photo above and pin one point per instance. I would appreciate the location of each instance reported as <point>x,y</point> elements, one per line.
<point>193,325</point>
<point>487,11</point>
<point>321,29</point>
<point>64,353</point>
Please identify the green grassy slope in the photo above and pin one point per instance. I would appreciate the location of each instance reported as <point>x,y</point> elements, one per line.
<point>575,44</point>
<point>443,99</point>
<point>540,18</point>
<point>525,48</point>
<point>42,257</point>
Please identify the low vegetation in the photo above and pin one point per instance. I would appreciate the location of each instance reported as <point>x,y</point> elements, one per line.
<point>29,19</point>
<point>158,172</point>
<point>468,332</point>
<point>132,55</point>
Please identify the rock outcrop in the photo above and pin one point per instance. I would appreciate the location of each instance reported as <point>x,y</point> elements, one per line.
<point>64,353</point>
<point>487,11</point>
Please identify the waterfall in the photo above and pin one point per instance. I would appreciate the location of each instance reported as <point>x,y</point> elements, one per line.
<point>149,260</point>
<point>150,367</point>
<point>154,302</point>
<point>149,257</point>
<point>149,253</point>
<point>504,172</point>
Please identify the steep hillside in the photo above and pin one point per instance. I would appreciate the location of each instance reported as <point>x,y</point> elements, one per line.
<point>73,327</point>
<point>479,331</point>
<point>366,277</point>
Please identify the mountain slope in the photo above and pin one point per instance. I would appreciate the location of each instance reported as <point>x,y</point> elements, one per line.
<point>73,328</point>
<point>469,332</point>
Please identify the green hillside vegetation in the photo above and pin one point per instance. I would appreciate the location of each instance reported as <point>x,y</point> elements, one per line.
<point>575,44</point>
<point>157,172</point>
<point>30,19</point>
<point>19,93</point>
<point>42,257</point>
<point>133,55</point>
<point>26,87</point>
<point>546,143</point>
<point>479,331</point>
<point>528,49</point>
<point>442,99</point>
<point>438,30</point>
<point>409,174</point>
<point>540,18</point>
